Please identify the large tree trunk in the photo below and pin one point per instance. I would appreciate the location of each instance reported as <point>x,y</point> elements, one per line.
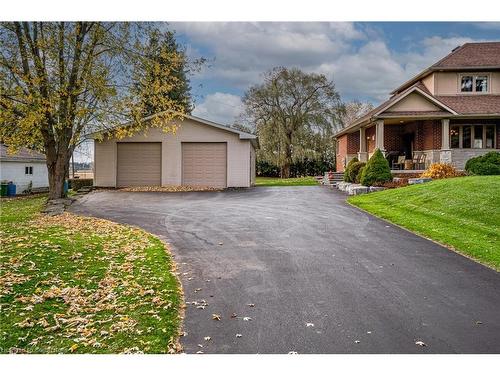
<point>57,165</point>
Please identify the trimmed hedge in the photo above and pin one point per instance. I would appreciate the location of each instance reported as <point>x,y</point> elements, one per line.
<point>347,171</point>
<point>78,183</point>
<point>488,164</point>
<point>376,170</point>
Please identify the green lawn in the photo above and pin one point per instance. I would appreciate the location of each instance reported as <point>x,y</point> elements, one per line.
<point>70,284</point>
<point>463,213</point>
<point>276,181</point>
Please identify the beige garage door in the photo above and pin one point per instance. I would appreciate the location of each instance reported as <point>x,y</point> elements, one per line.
<point>204,164</point>
<point>138,164</point>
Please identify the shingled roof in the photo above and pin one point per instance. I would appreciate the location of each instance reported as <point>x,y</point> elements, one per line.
<point>485,55</point>
<point>21,155</point>
<point>472,55</point>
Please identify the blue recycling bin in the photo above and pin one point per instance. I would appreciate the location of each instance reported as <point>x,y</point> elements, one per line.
<point>11,189</point>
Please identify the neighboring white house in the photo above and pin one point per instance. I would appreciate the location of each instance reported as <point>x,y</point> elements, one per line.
<point>200,153</point>
<point>22,168</point>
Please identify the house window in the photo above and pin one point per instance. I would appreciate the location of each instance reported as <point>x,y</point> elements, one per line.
<point>474,83</point>
<point>472,136</point>
<point>466,84</point>
<point>466,136</point>
<point>28,170</point>
<point>490,136</point>
<point>478,136</point>
<point>455,137</point>
<point>482,84</point>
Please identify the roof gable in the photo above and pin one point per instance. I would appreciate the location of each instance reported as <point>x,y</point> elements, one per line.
<point>413,102</point>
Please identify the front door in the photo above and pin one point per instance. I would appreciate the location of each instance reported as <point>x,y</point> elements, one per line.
<point>408,143</point>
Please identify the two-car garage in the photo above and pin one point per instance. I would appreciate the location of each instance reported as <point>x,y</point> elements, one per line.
<point>200,153</point>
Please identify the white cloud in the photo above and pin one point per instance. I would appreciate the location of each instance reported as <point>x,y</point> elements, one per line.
<point>357,59</point>
<point>220,107</point>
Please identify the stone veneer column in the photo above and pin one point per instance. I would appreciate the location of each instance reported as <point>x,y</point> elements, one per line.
<point>445,153</point>
<point>379,135</point>
<point>362,154</point>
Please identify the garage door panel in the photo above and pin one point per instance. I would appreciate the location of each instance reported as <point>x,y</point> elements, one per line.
<point>204,164</point>
<point>138,164</point>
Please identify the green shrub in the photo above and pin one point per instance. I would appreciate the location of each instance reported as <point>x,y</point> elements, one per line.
<point>488,164</point>
<point>376,170</point>
<point>347,173</point>
<point>77,183</point>
<point>360,172</point>
<point>355,171</point>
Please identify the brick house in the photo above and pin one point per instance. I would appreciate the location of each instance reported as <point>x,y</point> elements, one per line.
<point>449,113</point>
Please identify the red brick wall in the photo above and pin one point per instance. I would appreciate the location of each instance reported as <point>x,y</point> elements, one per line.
<point>370,143</point>
<point>431,135</point>
<point>353,143</point>
<point>393,137</point>
<point>341,152</point>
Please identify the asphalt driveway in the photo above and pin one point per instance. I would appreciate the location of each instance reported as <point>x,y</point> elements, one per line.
<point>297,269</point>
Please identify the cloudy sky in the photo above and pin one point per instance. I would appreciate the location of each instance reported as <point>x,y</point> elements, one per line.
<point>365,60</point>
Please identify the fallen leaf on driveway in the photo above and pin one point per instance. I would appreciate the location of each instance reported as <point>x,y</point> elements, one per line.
<point>199,345</point>
<point>420,343</point>
<point>247,318</point>
<point>199,352</point>
<point>233,315</point>
<point>293,352</point>
<point>479,322</point>
<point>309,324</point>
<point>357,341</point>
<point>207,338</point>
<point>239,335</point>
<point>221,243</point>
<point>251,304</point>
<point>216,317</point>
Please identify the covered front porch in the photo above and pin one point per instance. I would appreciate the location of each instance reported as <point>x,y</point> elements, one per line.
<point>411,145</point>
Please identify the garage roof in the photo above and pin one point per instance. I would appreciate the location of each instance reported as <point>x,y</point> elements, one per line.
<point>243,135</point>
<point>23,154</point>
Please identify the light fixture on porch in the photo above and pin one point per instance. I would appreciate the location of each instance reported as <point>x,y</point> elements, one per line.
<point>401,121</point>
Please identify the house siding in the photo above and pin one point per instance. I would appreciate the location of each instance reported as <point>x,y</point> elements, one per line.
<point>15,171</point>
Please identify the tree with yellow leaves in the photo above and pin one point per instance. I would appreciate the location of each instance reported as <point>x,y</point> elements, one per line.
<point>60,81</point>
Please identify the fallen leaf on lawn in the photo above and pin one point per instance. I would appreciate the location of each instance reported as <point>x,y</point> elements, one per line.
<point>216,317</point>
<point>73,347</point>
<point>420,343</point>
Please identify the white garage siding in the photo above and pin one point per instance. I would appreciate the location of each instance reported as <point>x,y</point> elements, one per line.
<point>238,153</point>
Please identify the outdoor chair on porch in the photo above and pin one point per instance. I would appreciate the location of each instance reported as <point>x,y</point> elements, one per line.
<point>399,163</point>
<point>419,161</point>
